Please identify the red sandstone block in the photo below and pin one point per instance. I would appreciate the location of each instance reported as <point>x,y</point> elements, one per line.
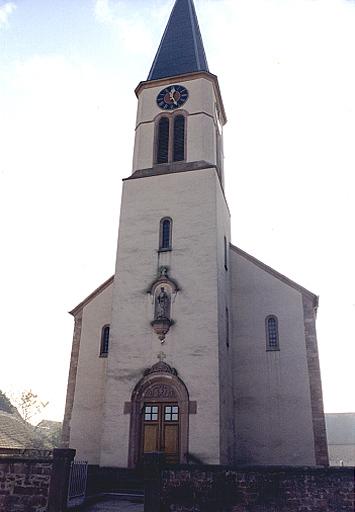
<point>19,468</point>
<point>47,470</point>
<point>27,491</point>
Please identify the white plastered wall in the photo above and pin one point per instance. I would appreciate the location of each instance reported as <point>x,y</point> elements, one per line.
<point>225,360</point>
<point>273,416</point>
<point>85,424</point>
<point>190,199</point>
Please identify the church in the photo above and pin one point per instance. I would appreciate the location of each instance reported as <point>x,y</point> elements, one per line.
<point>193,348</point>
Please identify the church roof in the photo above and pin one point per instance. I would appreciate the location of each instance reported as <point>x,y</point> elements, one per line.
<point>92,296</point>
<point>181,49</point>
<point>277,274</point>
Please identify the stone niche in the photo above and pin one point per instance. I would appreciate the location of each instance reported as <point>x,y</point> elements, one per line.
<point>163,292</point>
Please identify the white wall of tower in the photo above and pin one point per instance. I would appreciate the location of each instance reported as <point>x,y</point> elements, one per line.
<point>225,360</point>
<point>190,199</point>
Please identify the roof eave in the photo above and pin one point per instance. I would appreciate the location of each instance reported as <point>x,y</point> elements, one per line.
<point>92,296</point>
<point>161,82</point>
<point>278,275</point>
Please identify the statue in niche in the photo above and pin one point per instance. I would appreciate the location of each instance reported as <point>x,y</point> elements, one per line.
<point>162,292</point>
<point>162,305</point>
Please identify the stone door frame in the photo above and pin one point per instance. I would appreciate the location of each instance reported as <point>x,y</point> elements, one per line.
<point>160,384</point>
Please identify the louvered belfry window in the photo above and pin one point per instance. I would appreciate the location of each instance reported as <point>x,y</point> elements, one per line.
<point>163,141</point>
<point>170,139</point>
<point>179,139</point>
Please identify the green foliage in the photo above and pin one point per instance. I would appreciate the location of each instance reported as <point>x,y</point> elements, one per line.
<point>55,438</point>
<point>45,438</point>
<point>5,404</point>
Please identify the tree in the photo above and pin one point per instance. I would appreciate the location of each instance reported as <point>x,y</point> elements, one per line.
<point>5,404</point>
<point>29,404</point>
<point>48,434</point>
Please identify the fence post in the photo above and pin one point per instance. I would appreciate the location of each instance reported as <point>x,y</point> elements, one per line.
<point>153,463</point>
<point>58,491</point>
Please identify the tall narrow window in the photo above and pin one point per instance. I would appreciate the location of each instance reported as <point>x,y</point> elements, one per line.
<point>272,333</point>
<point>105,336</point>
<point>179,139</point>
<point>165,234</point>
<point>225,253</point>
<point>163,141</point>
<point>170,139</point>
<point>227,327</point>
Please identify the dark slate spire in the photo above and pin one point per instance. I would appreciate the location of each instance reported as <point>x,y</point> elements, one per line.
<point>181,49</point>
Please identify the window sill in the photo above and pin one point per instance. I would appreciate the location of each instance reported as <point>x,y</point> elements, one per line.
<point>165,250</point>
<point>103,356</point>
<point>272,350</point>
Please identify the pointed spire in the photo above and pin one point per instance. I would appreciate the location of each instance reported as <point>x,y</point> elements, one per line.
<point>181,49</point>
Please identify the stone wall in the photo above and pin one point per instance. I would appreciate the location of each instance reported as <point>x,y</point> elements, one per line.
<point>35,484</point>
<point>260,489</point>
<point>24,484</point>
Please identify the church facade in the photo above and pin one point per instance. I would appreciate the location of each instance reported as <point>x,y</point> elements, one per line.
<point>193,348</point>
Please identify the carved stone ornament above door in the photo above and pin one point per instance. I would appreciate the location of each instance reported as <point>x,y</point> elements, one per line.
<point>160,391</point>
<point>160,367</point>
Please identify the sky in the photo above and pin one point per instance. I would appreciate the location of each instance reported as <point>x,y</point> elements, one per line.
<point>68,70</point>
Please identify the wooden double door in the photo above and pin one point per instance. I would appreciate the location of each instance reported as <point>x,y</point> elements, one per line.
<point>161,430</point>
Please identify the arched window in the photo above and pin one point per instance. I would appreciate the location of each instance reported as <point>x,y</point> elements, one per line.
<point>163,141</point>
<point>105,336</point>
<point>170,139</point>
<point>165,234</point>
<point>179,139</point>
<point>272,333</point>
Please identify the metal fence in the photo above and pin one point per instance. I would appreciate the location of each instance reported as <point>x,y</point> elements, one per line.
<point>77,483</point>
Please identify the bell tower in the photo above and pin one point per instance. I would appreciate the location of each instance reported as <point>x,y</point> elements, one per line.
<point>171,292</point>
<point>180,114</point>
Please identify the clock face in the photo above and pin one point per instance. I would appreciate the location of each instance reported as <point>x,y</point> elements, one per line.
<point>172,97</point>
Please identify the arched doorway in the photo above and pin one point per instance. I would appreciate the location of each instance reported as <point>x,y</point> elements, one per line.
<point>159,416</point>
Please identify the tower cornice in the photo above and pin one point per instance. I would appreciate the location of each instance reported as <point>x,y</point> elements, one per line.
<point>161,82</point>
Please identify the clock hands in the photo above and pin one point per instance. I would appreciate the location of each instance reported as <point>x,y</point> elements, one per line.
<point>171,94</point>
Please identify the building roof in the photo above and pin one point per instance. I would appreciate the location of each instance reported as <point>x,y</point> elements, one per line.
<point>340,428</point>
<point>276,274</point>
<point>181,49</point>
<point>14,431</point>
<point>234,248</point>
<point>92,296</point>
